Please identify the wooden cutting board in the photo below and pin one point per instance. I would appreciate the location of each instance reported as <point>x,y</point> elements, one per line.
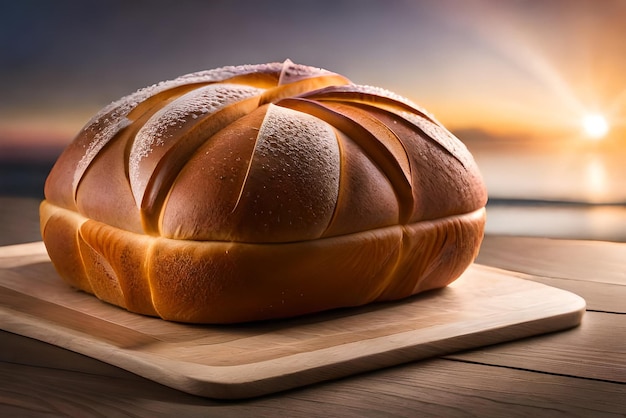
<point>484,306</point>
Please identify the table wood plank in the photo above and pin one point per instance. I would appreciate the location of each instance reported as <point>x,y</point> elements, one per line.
<point>600,297</point>
<point>594,350</point>
<point>37,379</point>
<point>485,306</point>
<point>591,261</point>
<point>19,349</point>
<point>429,388</point>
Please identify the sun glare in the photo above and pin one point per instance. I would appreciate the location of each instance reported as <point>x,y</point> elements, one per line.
<point>595,126</point>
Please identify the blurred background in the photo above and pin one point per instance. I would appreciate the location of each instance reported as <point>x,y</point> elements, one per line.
<point>535,89</point>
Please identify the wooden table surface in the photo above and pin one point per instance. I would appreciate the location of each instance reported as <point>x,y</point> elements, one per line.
<point>575,373</point>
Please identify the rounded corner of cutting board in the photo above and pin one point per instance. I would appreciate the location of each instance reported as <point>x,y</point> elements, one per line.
<point>486,305</point>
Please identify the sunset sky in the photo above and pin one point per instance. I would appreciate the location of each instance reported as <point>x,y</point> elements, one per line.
<point>506,68</point>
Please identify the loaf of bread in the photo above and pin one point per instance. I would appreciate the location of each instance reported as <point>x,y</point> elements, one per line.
<point>262,191</point>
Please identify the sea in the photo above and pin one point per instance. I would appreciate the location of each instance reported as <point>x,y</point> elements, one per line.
<point>568,189</point>
<point>553,191</point>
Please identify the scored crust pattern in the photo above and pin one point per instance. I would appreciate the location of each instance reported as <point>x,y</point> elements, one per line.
<point>240,157</point>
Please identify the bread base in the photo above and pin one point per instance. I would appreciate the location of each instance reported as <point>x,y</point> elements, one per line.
<point>229,282</point>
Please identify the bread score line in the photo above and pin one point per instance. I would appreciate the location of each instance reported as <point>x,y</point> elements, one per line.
<point>261,191</point>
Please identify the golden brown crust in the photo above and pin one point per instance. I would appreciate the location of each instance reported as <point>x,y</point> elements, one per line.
<point>226,282</point>
<point>263,191</point>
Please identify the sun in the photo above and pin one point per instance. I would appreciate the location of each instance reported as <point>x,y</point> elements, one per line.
<point>595,126</point>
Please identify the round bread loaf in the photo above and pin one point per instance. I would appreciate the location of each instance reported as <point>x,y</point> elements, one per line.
<point>261,191</point>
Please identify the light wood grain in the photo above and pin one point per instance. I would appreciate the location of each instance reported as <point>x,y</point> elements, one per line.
<point>64,383</point>
<point>485,306</point>
<point>600,297</point>
<point>594,270</point>
<point>594,350</point>
<point>589,261</point>
<point>431,388</point>
<point>18,349</point>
